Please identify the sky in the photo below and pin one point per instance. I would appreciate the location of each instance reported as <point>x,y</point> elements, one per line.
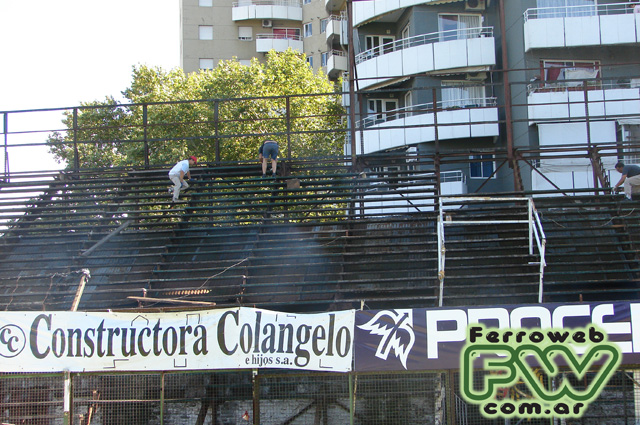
<point>59,53</point>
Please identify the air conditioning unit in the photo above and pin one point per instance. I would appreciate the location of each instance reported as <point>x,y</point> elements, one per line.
<point>474,4</point>
<point>476,76</point>
<point>267,23</point>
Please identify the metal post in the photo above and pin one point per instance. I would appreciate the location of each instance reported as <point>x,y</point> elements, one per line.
<point>589,146</point>
<point>76,159</point>
<point>256,397</point>
<point>352,406</point>
<point>434,96</point>
<point>146,141</point>
<point>352,76</point>
<point>162,389</point>
<point>216,119</point>
<point>288,128</point>
<point>6,146</point>
<point>507,98</point>
<point>67,398</point>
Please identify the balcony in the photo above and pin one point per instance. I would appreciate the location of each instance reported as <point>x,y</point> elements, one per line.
<point>336,30</point>
<point>277,42</point>
<point>439,51</point>
<point>267,9</point>
<point>334,5</point>
<point>565,101</point>
<point>364,11</point>
<point>416,124</point>
<point>572,26</point>
<point>336,63</point>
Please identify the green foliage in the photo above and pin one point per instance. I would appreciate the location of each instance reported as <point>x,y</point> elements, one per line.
<point>234,105</point>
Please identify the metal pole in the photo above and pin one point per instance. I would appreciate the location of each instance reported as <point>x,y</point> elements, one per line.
<point>146,141</point>
<point>67,398</point>
<point>507,97</point>
<point>216,118</point>
<point>76,159</point>
<point>352,76</point>
<point>6,146</point>
<point>288,128</point>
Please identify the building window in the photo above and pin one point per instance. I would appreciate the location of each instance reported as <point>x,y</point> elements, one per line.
<point>307,30</point>
<point>323,58</point>
<point>480,168</point>
<point>205,3</point>
<point>323,25</point>
<point>379,44</point>
<point>205,32</point>
<point>206,63</point>
<point>380,110</point>
<point>310,60</point>
<point>306,2</point>
<point>459,27</point>
<point>461,94</point>
<point>245,33</point>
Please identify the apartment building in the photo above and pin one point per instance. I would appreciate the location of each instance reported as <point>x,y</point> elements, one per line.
<point>212,31</point>
<point>456,75</point>
<point>435,71</point>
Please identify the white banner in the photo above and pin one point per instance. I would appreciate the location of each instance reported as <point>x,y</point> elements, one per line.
<point>238,338</point>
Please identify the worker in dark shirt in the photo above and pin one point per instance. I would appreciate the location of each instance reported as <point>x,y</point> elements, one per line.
<point>630,178</point>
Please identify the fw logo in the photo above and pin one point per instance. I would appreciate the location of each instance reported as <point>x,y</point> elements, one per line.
<point>508,357</point>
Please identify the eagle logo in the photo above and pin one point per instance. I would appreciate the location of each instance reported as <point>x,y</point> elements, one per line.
<point>396,329</point>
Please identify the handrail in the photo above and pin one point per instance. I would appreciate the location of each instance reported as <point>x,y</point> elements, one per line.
<point>425,108</point>
<point>536,232</point>
<point>288,3</point>
<point>419,40</point>
<point>441,252</point>
<point>541,241</point>
<point>578,11</point>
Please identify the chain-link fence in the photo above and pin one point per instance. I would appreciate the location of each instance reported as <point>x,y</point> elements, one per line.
<point>244,397</point>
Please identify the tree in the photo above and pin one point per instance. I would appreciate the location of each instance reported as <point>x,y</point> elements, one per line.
<point>233,107</point>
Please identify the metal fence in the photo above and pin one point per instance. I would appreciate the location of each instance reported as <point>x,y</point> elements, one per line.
<point>270,398</point>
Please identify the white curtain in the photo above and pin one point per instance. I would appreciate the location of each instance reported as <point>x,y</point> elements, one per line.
<point>462,96</point>
<point>468,21</point>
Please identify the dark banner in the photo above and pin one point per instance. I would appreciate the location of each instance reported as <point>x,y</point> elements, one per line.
<point>423,339</point>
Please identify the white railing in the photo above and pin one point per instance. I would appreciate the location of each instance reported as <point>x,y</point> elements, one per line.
<point>278,37</point>
<point>537,238</point>
<point>287,3</point>
<point>578,11</point>
<point>573,84</point>
<point>425,108</point>
<point>419,40</point>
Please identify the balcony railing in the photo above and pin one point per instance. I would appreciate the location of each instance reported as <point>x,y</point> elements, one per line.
<point>426,108</point>
<point>266,9</point>
<point>286,3</point>
<point>419,40</point>
<point>578,11</point>
<point>576,26</point>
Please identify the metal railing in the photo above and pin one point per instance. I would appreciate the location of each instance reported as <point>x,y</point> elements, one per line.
<point>419,40</point>
<point>537,238</point>
<point>288,3</point>
<point>579,11</point>
<point>426,108</point>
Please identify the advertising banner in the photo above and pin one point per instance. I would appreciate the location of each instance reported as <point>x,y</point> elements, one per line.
<point>239,338</point>
<point>432,339</point>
